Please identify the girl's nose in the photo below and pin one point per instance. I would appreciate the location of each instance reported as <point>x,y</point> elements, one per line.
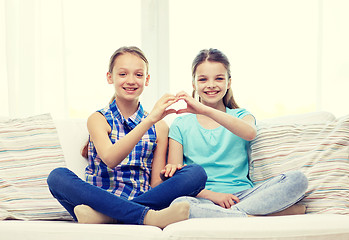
<point>131,80</point>
<point>211,84</point>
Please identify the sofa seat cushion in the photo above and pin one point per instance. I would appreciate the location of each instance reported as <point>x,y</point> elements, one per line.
<point>58,230</point>
<point>310,226</point>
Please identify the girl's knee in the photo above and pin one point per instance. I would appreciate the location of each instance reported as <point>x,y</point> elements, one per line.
<point>303,180</point>
<point>185,199</point>
<point>198,171</point>
<point>55,175</point>
<point>299,179</point>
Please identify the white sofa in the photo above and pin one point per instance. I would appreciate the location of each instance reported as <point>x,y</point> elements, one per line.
<point>322,222</point>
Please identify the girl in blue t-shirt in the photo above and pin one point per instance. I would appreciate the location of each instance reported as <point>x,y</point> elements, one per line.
<point>127,149</point>
<point>216,135</point>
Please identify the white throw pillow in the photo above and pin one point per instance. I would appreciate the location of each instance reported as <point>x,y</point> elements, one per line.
<point>73,135</point>
<point>29,150</point>
<point>320,150</point>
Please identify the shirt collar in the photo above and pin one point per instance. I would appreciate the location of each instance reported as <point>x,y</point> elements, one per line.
<point>133,120</point>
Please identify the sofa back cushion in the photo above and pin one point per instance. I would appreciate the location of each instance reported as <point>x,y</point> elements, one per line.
<point>29,150</point>
<point>305,118</point>
<point>319,149</point>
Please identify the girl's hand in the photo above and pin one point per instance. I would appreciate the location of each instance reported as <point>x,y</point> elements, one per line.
<point>170,170</point>
<point>193,106</point>
<point>160,108</point>
<point>225,200</point>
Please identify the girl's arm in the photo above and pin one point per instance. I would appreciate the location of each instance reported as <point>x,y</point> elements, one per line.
<point>225,200</point>
<point>114,154</point>
<point>244,128</point>
<point>160,152</point>
<point>175,158</point>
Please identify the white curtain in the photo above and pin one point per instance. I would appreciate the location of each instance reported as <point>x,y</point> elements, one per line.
<point>54,53</point>
<point>287,57</point>
<point>3,68</point>
<point>33,64</point>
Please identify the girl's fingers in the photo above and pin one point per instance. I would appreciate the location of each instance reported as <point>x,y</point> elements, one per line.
<point>180,111</point>
<point>181,94</point>
<point>231,202</point>
<point>236,199</point>
<point>179,166</point>
<point>159,111</point>
<point>166,98</point>
<point>167,170</point>
<point>169,103</point>
<point>173,170</point>
<point>169,111</point>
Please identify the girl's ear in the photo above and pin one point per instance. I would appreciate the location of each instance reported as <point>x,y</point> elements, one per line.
<point>229,83</point>
<point>147,80</point>
<point>109,78</point>
<point>193,83</point>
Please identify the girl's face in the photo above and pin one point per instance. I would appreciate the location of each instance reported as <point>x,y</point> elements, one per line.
<point>129,77</point>
<point>211,83</point>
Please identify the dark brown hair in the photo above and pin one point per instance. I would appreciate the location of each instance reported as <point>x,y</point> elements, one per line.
<point>214,55</point>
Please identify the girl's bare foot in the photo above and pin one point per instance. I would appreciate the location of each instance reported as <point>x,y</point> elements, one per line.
<point>174,213</point>
<point>86,214</point>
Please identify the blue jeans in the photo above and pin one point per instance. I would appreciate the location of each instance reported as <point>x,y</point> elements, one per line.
<point>269,197</point>
<point>71,191</point>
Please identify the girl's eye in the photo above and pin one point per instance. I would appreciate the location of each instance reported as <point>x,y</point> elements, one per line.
<point>201,79</point>
<point>220,79</point>
<point>139,75</point>
<point>122,74</point>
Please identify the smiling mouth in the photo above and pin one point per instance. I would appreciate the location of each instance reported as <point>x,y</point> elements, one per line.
<point>130,89</point>
<point>211,93</point>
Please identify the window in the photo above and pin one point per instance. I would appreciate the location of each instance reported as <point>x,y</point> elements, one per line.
<point>272,47</point>
<point>93,31</point>
<point>287,57</point>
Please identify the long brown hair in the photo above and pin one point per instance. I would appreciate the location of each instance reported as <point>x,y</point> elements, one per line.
<point>133,50</point>
<point>214,55</point>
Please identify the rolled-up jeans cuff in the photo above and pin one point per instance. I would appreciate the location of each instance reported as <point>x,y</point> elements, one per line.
<point>237,212</point>
<point>141,219</point>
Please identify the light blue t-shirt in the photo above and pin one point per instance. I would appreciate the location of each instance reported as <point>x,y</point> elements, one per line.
<point>222,154</point>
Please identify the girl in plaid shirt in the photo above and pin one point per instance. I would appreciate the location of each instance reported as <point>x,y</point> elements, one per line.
<point>127,150</point>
